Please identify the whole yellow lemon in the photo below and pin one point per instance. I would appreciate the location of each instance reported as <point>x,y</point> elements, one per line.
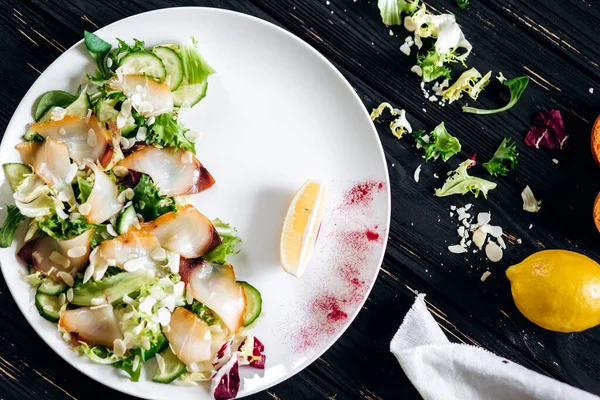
<point>558,290</point>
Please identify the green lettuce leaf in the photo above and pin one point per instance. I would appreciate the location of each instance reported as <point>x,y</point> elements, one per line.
<point>196,69</point>
<point>148,202</point>
<point>167,131</point>
<point>438,143</point>
<point>507,151</point>
<point>203,312</point>
<point>432,66</point>
<point>391,10</point>
<point>98,49</point>
<point>460,182</point>
<point>515,85</point>
<point>83,189</point>
<point>134,363</point>
<point>11,223</point>
<point>229,243</point>
<point>63,229</point>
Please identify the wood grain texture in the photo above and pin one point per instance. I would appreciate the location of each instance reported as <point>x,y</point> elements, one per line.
<point>556,43</point>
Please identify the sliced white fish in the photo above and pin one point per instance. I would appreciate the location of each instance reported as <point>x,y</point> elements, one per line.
<point>85,138</point>
<point>39,253</point>
<point>147,96</point>
<point>134,247</point>
<point>186,232</point>
<point>215,286</point>
<point>189,337</point>
<point>175,173</point>
<point>92,325</point>
<point>103,202</point>
<point>50,161</point>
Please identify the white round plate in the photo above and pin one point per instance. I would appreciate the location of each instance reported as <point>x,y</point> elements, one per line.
<point>277,113</point>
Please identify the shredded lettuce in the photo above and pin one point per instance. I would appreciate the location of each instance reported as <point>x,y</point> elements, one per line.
<point>148,202</point>
<point>530,203</point>
<point>507,151</point>
<point>63,229</point>
<point>34,280</point>
<point>98,354</point>
<point>168,131</point>
<point>195,67</point>
<point>399,125</point>
<point>11,223</point>
<point>515,85</point>
<point>460,182</point>
<point>470,82</point>
<point>229,243</point>
<point>391,10</point>
<point>140,323</point>
<point>438,143</point>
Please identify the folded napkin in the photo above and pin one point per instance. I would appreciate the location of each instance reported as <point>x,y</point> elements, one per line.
<point>443,370</point>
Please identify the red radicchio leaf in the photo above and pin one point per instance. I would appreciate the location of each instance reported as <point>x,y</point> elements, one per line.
<point>226,382</point>
<point>251,352</point>
<point>547,130</point>
<point>223,355</point>
<point>472,158</point>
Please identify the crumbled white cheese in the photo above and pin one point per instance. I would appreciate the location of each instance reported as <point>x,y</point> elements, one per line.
<point>391,32</point>
<point>530,226</point>
<point>555,161</point>
<point>591,90</point>
<point>405,48</point>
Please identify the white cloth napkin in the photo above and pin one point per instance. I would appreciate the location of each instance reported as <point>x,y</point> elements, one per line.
<point>443,370</point>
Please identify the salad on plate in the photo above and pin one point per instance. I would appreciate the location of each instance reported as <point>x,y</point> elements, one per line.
<point>119,260</point>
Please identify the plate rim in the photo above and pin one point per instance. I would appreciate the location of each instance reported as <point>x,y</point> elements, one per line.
<point>332,339</point>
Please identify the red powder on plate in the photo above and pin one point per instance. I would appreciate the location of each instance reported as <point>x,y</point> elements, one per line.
<point>361,194</point>
<point>372,236</point>
<point>353,251</point>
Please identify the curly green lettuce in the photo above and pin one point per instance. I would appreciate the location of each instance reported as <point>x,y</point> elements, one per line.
<point>432,66</point>
<point>506,153</point>
<point>399,125</point>
<point>470,82</point>
<point>229,243</point>
<point>148,202</point>
<point>196,69</point>
<point>438,143</point>
<point>460,182</point>
<point>168,131</point>
<point>62,229</point>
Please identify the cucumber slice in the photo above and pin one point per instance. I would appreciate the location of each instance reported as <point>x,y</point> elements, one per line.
<point>127,129</point>
<point>173,368</point>
<point>145,63</point>
<point>52,287</point>
<point>127,218</point>
<point>32,136</point>
<point>253,303</point>
<point>80,106</point>
<point>48,306</point>
<point>105,112</point>
<point>173,63</point>
<point>190,94</point>
<point>16,174</point>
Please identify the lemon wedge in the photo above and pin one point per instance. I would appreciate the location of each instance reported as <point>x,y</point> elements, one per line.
<point>301,226</point>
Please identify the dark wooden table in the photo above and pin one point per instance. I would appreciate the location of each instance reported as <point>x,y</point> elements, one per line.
<point>556,43</point>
